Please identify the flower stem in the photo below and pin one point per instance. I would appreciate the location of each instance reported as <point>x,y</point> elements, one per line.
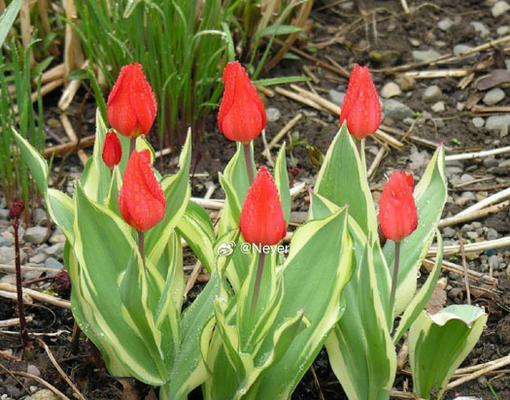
<point>141,247</point>
<point>258,280</point>
<point>132,145</point>
<point>395,276</point>
<point>247,160</point>
<point>19,288</point>
<point>362,153</point>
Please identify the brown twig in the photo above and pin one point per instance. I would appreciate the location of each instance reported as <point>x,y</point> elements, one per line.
<point>60,370</point>
<point>43,297</point>
<point>16,211</point>
<point>502,362</point>
<point>464,265</point>
<point>70,147</point>
<point>475,215</point>
<point>40,381</point>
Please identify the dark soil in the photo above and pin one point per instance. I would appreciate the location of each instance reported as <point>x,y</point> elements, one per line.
<point>381,45</point>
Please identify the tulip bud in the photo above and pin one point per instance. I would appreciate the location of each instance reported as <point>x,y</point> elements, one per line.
<point>397,210</point>
<point>262,221</point>
<point>131,104</point>
<point>141,200</point>
<point>242,116</point>
<point>16,208</point>
<point>112,150</point>
<point>361,108</point>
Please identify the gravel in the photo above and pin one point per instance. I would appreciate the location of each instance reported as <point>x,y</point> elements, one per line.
<point>445,24</point>
<point>478,122</point>
<point>481,29</point>
<point>396,110</point>
<point>35,234</point>
<point>425,55</point>
<point>500,8</point>
<point>496,122</point>
<point>438,107</point>
<point>493,96</point>
<point>391,89</point>
<point>432,94</point>
<point>273,114</point>
<point>336,97</point>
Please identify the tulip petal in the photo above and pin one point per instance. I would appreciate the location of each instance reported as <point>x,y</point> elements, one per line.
<point>141,200</point>
<point>262,221</point>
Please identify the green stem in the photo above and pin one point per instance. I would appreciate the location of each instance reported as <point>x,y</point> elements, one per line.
<point>395,276</point>
<point>141,247</point>
<point>258,280</point>
<point>247,160</point>
<point>362,153</point>
<point>19,287</point>
<point>132,145</point>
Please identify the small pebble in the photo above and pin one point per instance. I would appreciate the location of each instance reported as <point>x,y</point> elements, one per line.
<point>40,217</point>
<point>478,122</point>
<point>273,114</point>
<point>406,83</point>
<point>35,234</point>
<point>481,29</point>
<point>460,48</point>
<point>492,234</point>
<point>53,263</point>
<point>38,258</point>
<point>493,96</point>
<point>432,94</point>
<point>391,89</point>
<point>57,237</point>
<point>396,110</point>
<point>500,8</point>
<point>496,122</point>
<point>425,55</point>
<point>449,232</point>
<point>438,107</point>
<point>445,24</point>
<point>4,214</point>
<point>503,30</point>
<point>56,250</point>
<point>336,96</point>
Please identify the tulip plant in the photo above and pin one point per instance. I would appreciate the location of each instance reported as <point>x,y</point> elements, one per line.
<point>271,304</point>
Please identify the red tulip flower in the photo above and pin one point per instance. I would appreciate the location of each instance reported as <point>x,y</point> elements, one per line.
<point>397,210</point>
<point>141,200</point>
<point>112,150</point>
<point>242,116</point>
<point>361,108</point>
<point>131,104</point>
<point>262,221</point>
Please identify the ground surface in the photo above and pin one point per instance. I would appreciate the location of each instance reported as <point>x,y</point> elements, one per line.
<point>379,34</point>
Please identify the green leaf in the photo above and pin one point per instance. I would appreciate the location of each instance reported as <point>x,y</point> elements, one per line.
<point>439,343</point>
<point>177,193</point>
<point>343,181</point>
<point>197,229</point>
<point>96,176</point>
<point>421,299</point>
<point>303,273</point>
<point>104,248</point>
<point>430,195</point>
<point>61,209</point>
<point>360,348</point>
<point>282,182</point>
<point>235,183</point>
<point>281,80</point>
<point>189,369</point>
<point>7,19</point>
<point>276,30</point>
<point>36,163</point>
